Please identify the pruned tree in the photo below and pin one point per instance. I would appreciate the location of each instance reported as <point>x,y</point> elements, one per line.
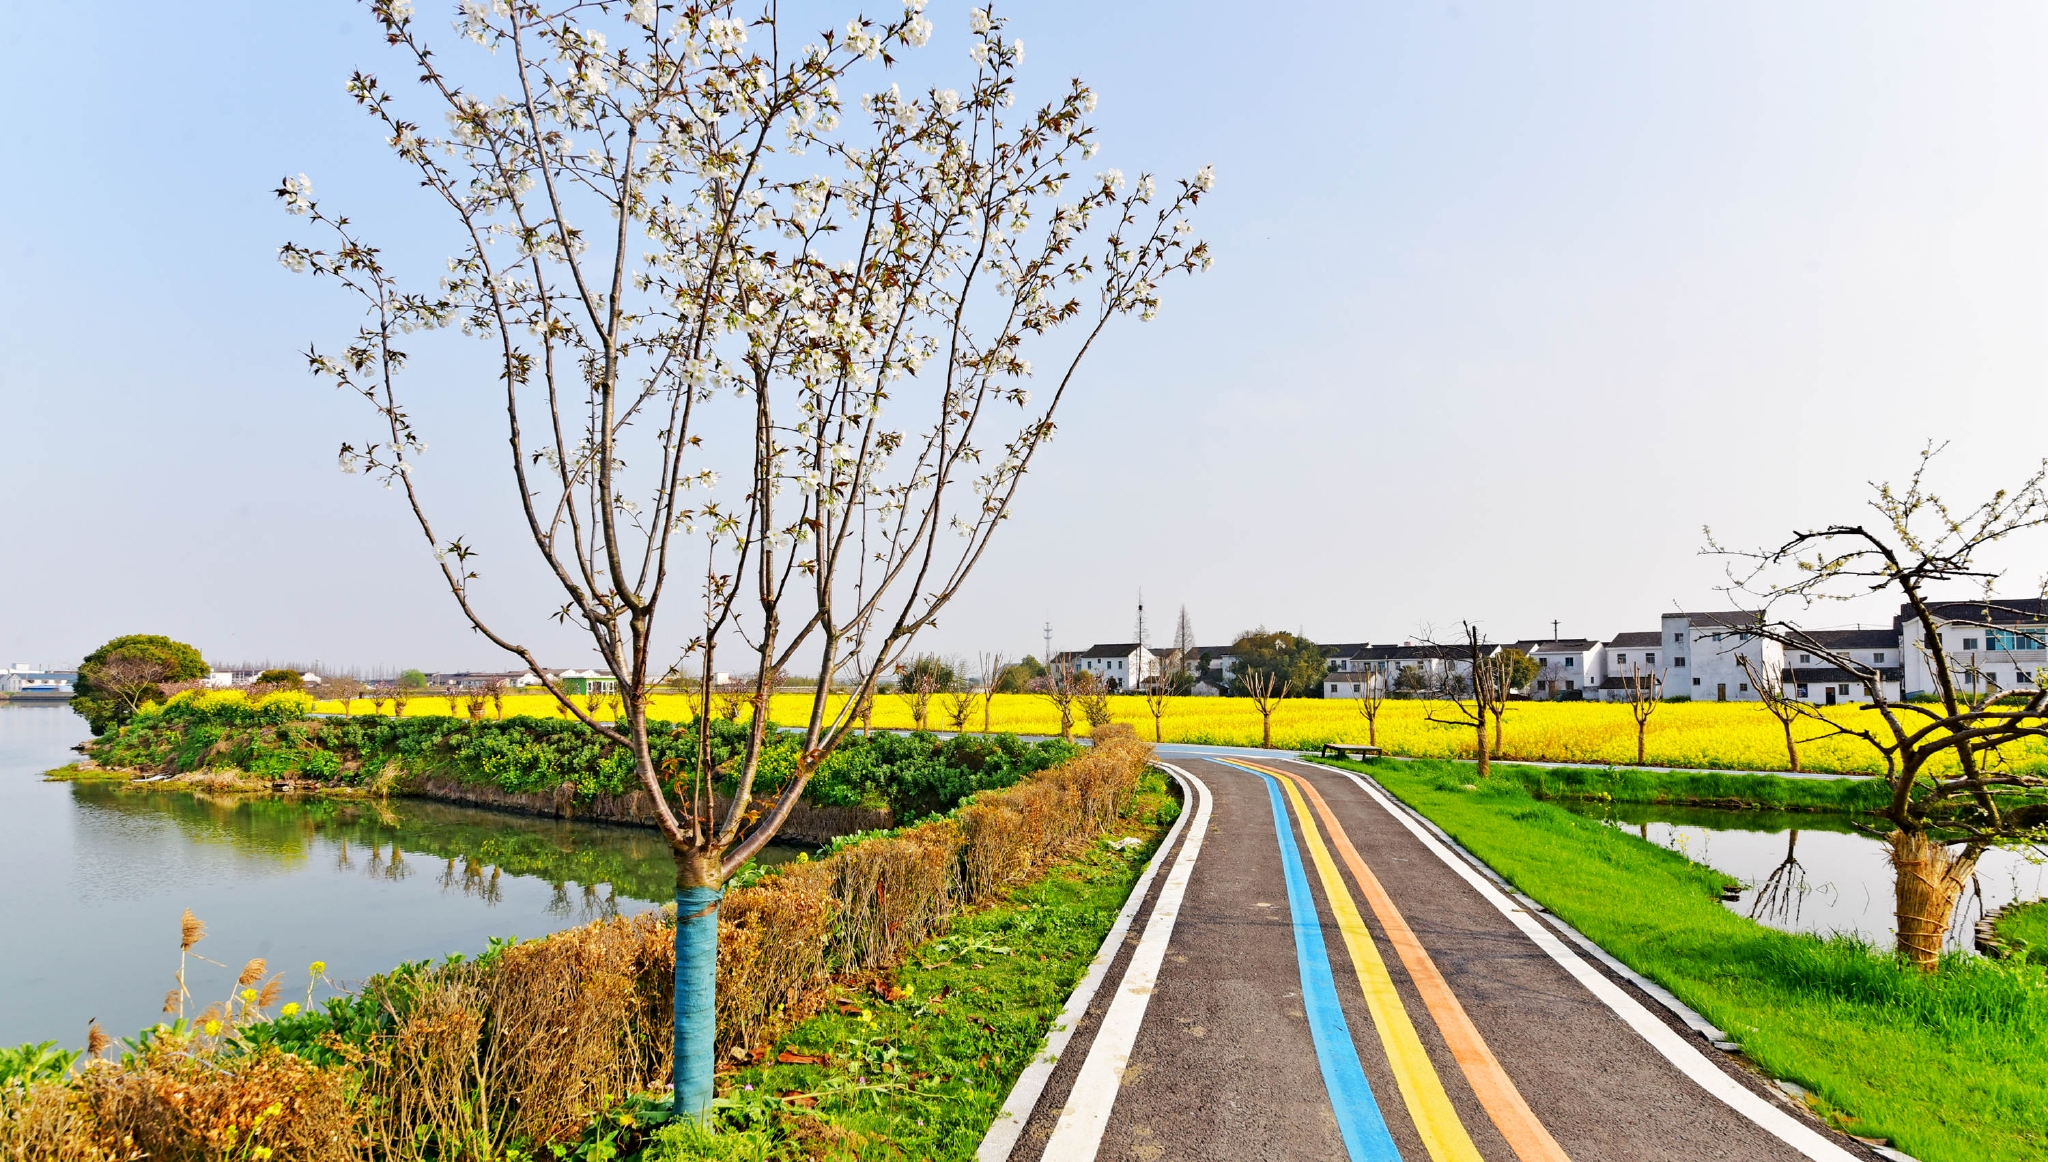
<point>1955,787</point>
<point>1158,696</point>
<point>400,695</point>
<point>1058,685</point>
<point>961,699</point>
<point>1091,694</point>
<point>669,292</point>
<point>992,668</point>
<point>1267,690</point>
<point>1645,690</point>
<point>474,699</point>
<point>498,698</point>
<point>344,690</point>
<point>1769,683</point>
<point>1372,696</point>
<point>453,697</point>
<point>918,681</point>
<point>1483,682</point>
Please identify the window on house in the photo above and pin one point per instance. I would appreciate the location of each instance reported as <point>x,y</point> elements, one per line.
<point>1678,637</point>
<point>1878,657</point>
<point>1845,687</point>
<point>1742,687</point>
<point>1649,659</point>
<point>1570,662</point>
<point>1969,643</point>
<point>1681,662</point>
<point>2006,639</point>
<point>1806,657</point>
<point>1620,659</point>
<point>1695,681</point>
<point>1802,691</point>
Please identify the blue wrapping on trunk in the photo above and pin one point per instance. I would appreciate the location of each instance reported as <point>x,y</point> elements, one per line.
<point>696,997</point>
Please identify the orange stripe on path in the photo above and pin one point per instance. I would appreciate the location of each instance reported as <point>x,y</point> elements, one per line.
<point>1496,1092</point>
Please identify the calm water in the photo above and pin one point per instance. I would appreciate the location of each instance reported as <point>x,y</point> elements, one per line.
<point>1805,872</point>
<point>97,876</point>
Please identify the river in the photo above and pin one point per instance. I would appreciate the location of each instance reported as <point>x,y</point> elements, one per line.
<point>1813,872</point>
<point>98,875</point>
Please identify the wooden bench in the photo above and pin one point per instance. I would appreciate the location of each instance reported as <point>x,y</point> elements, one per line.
<point>1352,750</point>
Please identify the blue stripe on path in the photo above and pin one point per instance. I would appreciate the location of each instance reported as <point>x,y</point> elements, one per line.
<point>1358,1115</point>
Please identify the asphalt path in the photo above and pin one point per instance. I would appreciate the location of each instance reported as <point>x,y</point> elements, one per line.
<point>1309,976</point>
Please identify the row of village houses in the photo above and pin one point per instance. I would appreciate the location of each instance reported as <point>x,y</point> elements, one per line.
<point>2002,646</point>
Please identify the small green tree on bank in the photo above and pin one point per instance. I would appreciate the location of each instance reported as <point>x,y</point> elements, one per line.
<point>669,291</point>
<point>1289,660</point>
<point>120,677</point>
<point>282,678</point>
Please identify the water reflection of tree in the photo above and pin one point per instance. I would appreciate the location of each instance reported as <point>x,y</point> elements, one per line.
<point>1778,901</point>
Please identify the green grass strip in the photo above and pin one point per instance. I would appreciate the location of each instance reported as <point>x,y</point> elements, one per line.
<point>923,1075</point>
<point>1952,1067</point>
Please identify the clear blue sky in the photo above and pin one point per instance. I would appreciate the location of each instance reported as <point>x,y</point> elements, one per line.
<point>1509,301</point>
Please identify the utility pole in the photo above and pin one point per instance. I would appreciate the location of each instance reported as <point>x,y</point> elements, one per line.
<point>1141,617</point>
<point>1048,646</point>
<point>1553,629</point>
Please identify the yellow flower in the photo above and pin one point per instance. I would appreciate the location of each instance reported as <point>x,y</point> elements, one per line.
<point>317,967</point>
<point>213,1028</point>
<point>248,996</point>
<point>291,1009</point>
<point>260,1153</point>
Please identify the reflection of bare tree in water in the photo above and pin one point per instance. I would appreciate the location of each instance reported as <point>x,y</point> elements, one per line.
<point>1778,901</point>
<point>472,880</point>
<point>558,904</point>
<point>599,907</point>
<point>342,862</point>
<point>392,868</point>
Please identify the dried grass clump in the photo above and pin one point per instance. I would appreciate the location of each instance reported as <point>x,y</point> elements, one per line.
<point>520,1048</point>
<point>181,1102</point>
<point>772,940</point>
<point>1012,833</point>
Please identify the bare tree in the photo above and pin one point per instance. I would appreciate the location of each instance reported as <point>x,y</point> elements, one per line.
<point>1645,689</point>
<point>400,695</point>
<point>1058,686</point>
<point>1091,694</point>
<point>961,699</point>
<point>453,697</point>
<point>664,249</point>
<point>1484,689</point>
<point>1769,683</point>
<point>1267,691</point>
<point>1955,790</point>
<point>991,668</point>
<point>917,682</point>
<point>474,702</point>
<point>1158,692</point>
<point>1184,648</point>
<point>344,690</point>
<point>497,690</point>
<point>1372,696</point>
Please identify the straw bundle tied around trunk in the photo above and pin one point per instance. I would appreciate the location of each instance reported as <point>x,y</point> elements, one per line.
<point>526,1045</point>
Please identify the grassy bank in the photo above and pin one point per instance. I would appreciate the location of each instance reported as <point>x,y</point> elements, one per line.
<point>224,737</point>
<point>2023,929</point>
<point>1952,1067</point>
<point>1696,788</point>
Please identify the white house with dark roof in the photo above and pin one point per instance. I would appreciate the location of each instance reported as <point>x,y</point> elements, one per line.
<point>1565,667</point>
<point>1120,665</point>
<point>1624,657</point>
<point>1813,673</point>
<point>2000,644</point>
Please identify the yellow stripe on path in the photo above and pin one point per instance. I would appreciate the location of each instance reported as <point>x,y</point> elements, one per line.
<point>1518,1124</point>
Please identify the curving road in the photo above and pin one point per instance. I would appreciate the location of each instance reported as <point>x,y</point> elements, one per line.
<point>1311,973</point>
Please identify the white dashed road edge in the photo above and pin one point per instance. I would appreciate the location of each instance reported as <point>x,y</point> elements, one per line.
<point>1674,1048</point>
<point>1078,1133</point>
<point>1002,1134</point>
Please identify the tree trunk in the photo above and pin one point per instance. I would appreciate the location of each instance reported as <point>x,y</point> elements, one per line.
<point>1157,736</point>
<point>1641,747</point>
<point>1484,768</point>
<point>1930,879</point>
<point>1496,733</point>
<point>1372,732</point>
<point>1267,715</point>
<point>1791,748</point>
<point>696,999</point>
<point>1067,722</point>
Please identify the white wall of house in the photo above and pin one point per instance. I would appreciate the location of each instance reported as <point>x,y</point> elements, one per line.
<point>1999,656</point>
<point>1705,662</point>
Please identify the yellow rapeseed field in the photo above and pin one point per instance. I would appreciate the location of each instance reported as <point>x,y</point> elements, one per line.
<point>1728,736</point>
